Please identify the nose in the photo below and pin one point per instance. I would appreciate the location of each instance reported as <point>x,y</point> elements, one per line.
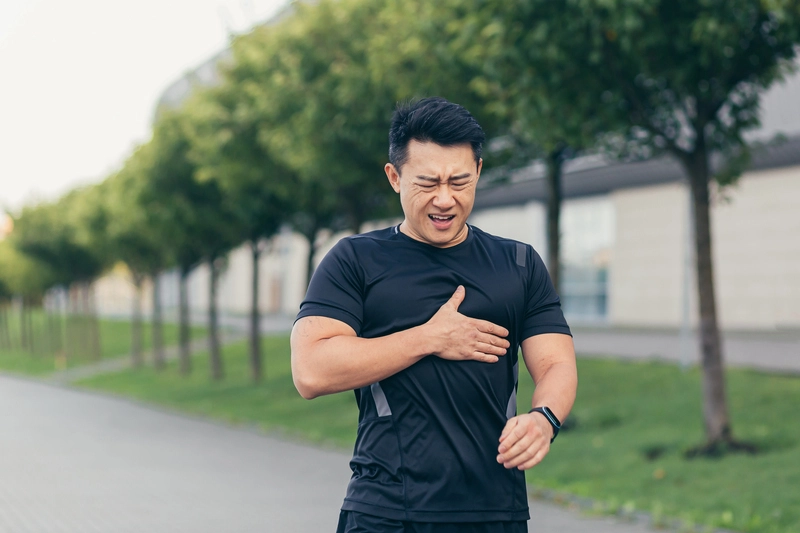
<point>444,198</point>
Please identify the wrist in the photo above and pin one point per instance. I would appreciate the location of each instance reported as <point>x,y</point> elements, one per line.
<point>553,421</point>
<point>420,342</point>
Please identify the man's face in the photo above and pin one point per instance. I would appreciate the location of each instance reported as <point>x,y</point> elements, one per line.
<point>437,189</point>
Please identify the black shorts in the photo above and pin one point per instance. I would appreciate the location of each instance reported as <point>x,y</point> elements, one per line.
<point>354,522</point>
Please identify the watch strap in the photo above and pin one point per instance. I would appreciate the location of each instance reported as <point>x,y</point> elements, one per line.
<point>548,414</point>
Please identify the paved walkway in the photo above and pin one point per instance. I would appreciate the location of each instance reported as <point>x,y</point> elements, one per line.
<point>72,461</point>
<point>777,351</point>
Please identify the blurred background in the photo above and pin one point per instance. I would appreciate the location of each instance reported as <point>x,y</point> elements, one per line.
<point>172,172</point>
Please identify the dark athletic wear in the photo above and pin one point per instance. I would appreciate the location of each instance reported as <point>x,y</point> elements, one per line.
<point>354,522</point>
<point>428,436</point>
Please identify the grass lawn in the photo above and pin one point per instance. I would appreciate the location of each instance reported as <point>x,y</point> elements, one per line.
<point>115,340</point>
<point>631,424</point>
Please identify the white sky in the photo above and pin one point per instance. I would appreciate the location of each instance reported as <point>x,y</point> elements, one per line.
<point>79,81</point>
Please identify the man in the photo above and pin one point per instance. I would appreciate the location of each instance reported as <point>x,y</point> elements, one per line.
<point>424,322</point>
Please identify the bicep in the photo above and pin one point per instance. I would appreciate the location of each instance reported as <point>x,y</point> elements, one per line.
<point>309,330</point>
<point>541,352</point>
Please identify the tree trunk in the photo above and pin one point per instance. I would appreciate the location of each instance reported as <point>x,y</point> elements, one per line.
<point>213,326</point>
<point>81,348</point>
<point>184,352</point>
<point>136,322</point>
<point>34,341</point>
<point>311,237</point>
<point>25,334</point>
<point>53,331</point>
<point>715,409</point>
<point>5,328</point>
<point>255,317</point>
<point>310,260</point>
<point>69,323</point>
<point>5,332</point>
<point>63,310</point>
<point>84,346</point>
<point>58,328</point>
<point>93,323</point>
<point>555,163</point>
<point>158,337</point>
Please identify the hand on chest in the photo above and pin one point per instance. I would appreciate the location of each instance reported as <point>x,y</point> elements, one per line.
<point>408,295</point>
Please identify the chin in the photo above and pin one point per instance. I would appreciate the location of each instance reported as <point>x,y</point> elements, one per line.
<point>443,240</point>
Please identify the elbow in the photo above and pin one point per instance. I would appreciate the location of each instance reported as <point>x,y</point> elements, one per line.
<point>307,388</point>
<point>306,383</point>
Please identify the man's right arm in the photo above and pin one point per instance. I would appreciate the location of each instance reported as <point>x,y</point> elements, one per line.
<point>328,356</point>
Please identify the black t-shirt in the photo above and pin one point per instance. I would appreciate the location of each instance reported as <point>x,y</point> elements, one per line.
<point>427,436</point>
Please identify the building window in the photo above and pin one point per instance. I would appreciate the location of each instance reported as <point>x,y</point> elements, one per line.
<point>587,238</point>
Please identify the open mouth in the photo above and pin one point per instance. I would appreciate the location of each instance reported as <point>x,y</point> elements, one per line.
<point>442,222</point>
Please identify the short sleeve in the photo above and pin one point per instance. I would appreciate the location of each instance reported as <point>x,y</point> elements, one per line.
<point>543,307</point>
<point>336,288</point>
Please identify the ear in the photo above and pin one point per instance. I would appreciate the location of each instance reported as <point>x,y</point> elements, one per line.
<point>480,166</point>
<point>393,175</point>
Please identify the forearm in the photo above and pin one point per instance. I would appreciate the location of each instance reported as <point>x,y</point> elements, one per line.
<point>556,389</point>
<point>328,356</point>
<point>550,359</point>
<point>345,362</point>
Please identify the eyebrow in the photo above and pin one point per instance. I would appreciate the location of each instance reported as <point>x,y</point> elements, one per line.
<point>451,178</point>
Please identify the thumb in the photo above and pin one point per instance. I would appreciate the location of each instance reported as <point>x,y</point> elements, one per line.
<point>457,297</point>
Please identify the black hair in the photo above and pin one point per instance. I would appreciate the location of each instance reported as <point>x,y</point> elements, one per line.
<point>434,120</point>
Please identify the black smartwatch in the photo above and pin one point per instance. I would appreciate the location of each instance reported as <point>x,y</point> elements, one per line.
<point>548,414</point>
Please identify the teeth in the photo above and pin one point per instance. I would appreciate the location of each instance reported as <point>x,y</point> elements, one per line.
<point>441,218</point>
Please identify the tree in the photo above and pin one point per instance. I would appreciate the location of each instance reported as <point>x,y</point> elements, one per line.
<point>28,279</point>
<point>59,235</point>
<point>135,234</point>
<point>321,112</point>
<point>226,148</point>
<point>483,54</point>
<point>201,219</point>
<point>5,300</point>
<point>687,78</point>
<point>476,53</point>
<point>547,112</point>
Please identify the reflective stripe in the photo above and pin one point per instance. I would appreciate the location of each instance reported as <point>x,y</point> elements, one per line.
<point>511,408</point>
<point>521,254</point>
<point>379,397</point>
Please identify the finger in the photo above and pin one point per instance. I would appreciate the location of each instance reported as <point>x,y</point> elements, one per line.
<point>515,438</point>
<point>457,297</point>
<point>524,450</point>
<point>535,460</point>
<point>524,456</point>
<point>489,349</point>
<point>499,342</point>
<point>488,327</point>
<point>510,425</point>
<point>484,357</point>
<point>521,451</point>
<point>533,454</point>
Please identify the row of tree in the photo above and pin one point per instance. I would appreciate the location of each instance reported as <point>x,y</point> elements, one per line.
<point>295,131</point>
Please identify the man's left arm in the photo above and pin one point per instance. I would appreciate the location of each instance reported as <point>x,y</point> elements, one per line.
<point>550,358</point>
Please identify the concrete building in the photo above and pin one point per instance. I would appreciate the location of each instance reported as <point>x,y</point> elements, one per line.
<point>627,253</point>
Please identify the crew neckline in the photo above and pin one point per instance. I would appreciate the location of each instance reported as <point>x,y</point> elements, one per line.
<point>465,242</point>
